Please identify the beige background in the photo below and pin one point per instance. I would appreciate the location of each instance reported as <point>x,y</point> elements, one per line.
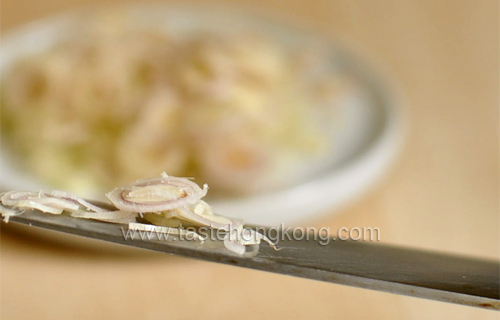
<point>442,194</point>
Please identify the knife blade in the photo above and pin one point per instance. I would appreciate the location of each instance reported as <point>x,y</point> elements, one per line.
<point>437,276</point>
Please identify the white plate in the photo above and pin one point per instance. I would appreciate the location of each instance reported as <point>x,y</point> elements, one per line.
<point>366,145</point>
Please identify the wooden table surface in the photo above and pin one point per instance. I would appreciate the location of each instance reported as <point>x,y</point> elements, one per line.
<point>442,194</point>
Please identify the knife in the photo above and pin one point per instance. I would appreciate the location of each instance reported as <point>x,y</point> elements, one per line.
<point>437,276</point>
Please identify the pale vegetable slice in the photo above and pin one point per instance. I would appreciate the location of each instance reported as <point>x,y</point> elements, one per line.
<point>58,201</point>
<point>231,241</point>
<point>55,202</point>
<point>8,212</point>
<point>160,220</point>
<point>251,237</point>
<point>11,197</point>
<point>39,201</point>
<point>107,216</point>
<point>28,204</point>
<point>203,208</point>
<point>239,237</point>
<point>164,230</point>
<point>156,195</point>
<point>209,220</point>
<point>234,246</point>
<point>69,196</point>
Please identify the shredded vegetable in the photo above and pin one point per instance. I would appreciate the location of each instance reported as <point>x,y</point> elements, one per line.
<point>240,111</point>
<point>165,205</point>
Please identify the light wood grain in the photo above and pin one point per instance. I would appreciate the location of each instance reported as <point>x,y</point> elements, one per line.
<point>443,193</point>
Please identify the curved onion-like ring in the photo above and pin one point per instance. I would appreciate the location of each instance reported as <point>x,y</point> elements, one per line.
<point>78,200</point>
<point>39,201</point>
<point>156,195</point>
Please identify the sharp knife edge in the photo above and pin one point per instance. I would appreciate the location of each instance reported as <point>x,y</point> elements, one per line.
<point>436,276</point>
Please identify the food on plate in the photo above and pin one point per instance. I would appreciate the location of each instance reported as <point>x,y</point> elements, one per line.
<point>112,104</point>
<point>165,204</point>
